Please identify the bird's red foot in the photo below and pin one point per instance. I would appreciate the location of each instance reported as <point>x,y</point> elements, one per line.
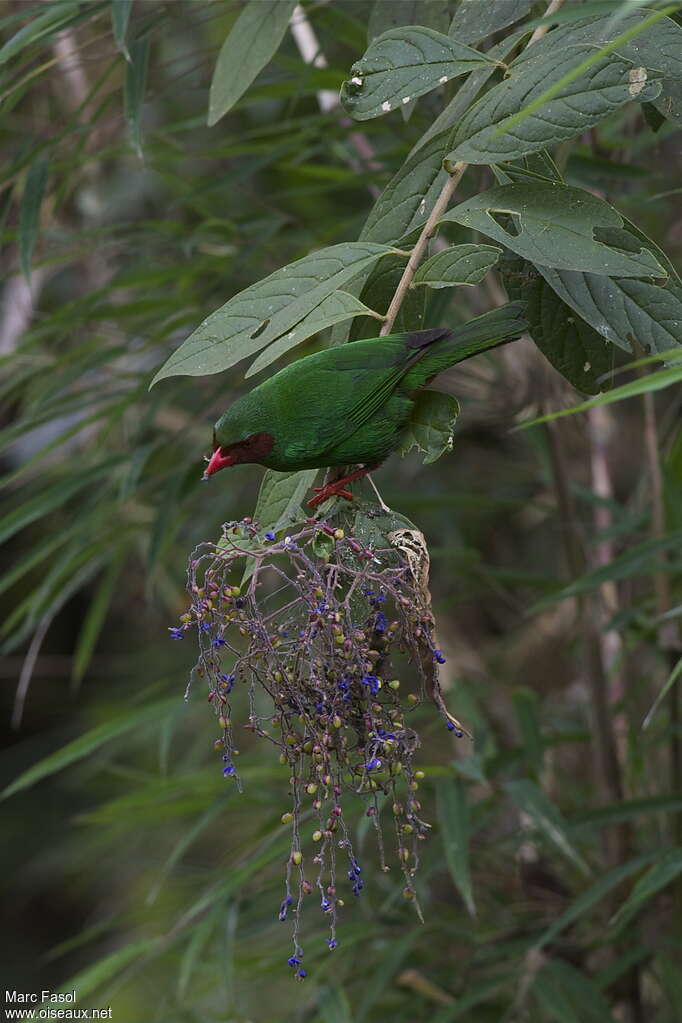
<point>331,490</point>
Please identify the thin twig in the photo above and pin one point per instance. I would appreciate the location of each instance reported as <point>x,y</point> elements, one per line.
<point>419,249</point>
<point>542,30</point>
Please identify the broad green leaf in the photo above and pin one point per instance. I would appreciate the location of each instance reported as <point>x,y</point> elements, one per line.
<point>546,817</point>
<point>655,41</point>
<point>94,619</point>
<point>476,19</point>
<point>262,313</point>
<point>659,876</point>
<point>621,309</point>
<point>280,496</point>
<point>649,42</point>
<point>49,21</point>
<point>592,895</point>
<point>29,212</point>
<point>133,89</point>
<point>453,817</point>
<point>482,135</point>
<point>91,741</point>
<point>401,65</point>
<point>120,15</point>
<point>334,1005</point>
<point>469,90</point>
<point>431,425</point>
<point>253,41</point>
<point>578,352</point>
<point>388,14</point>
<point>558,226</point>
<point>459,264</point>
<point>410,195</point>
<point>336,308</point>
<point>567,995</point>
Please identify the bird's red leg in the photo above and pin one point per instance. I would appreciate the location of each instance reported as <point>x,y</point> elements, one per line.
<point>337,488</point>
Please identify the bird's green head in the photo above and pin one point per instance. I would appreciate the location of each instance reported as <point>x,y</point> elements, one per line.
<point>238,438</point>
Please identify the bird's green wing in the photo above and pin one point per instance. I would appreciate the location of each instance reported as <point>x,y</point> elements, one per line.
<point>324,398</point>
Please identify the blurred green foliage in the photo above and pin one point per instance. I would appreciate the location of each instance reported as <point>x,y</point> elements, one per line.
<point>551,885</point>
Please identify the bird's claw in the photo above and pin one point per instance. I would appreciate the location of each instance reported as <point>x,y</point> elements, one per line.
<point>331,490</point>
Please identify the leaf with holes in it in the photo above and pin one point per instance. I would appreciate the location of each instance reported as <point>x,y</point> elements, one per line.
<point>336,308</point>
<point>253,41</point>
<point>621,309</point>
<point>402,64</point>
<point>431,425</point>
<point>271,307</point>
<point>577,351</point>
<point>480,137</point>
<point>558,226</point>
<point>459,264</point>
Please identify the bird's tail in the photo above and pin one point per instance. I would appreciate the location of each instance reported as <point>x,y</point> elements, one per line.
<point>494,328</point>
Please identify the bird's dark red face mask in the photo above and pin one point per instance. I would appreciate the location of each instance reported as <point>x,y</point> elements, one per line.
<point>253,449</point>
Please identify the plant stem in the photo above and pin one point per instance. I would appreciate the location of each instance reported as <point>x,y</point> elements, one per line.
<point>419,249</point>
<point>542,30</point>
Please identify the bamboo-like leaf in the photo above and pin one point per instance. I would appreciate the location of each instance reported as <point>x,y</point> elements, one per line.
<point>120,15</point>
<point>29,212</point>
<point>90,741</point>
<point>659,876</point>
<point>546,817</point>
<point>59,14</point>
<point>453,817</point>
<point>94,620</point>
<point>401,65</point>
<point>665,689</point>
<point>253,41</point>
<point>593,895</point>
<point>133,89</point>
<point>459,264</point>
<point>526,706</point>
<point>568,995</point>
<point>558,226</point>
<point>92,978</point>
<point>267,310</point>
<point>334,1005</point>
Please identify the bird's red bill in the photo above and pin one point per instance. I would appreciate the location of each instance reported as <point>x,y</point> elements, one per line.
<point>218,461</point>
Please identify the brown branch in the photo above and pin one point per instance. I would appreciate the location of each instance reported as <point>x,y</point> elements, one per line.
<point>419,249</point>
